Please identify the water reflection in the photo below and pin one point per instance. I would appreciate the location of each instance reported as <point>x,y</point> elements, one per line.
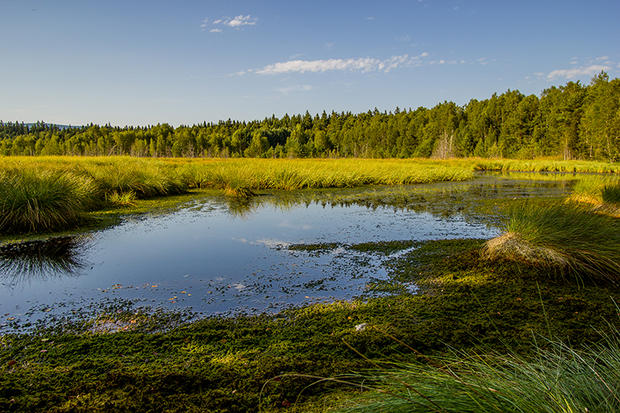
<point>480,200</point>
<point>225,255</point>
<point>30,260</point>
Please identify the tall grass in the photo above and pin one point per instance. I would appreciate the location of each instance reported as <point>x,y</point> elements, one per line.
<point>558,379</point>
<point>561,236</point>
<point>95,182</point>
<point>544,165</point>
<point>42,201</point>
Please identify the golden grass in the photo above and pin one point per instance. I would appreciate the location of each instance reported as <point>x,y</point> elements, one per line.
<point>117,181</point>
<point>562,237</point>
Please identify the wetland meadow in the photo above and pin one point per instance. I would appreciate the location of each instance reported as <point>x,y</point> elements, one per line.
<point>307,207</point>
<point>176,284</point>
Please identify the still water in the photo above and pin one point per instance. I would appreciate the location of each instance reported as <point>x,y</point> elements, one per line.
<point>216,257</point>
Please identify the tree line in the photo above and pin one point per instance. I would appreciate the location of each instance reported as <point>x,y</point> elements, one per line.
<point>574,121</point>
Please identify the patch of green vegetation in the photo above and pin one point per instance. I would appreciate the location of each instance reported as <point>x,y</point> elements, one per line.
<point>222,364</point>
<point>566,237</point>
<point>611,193</point>
<point>316,249</point>
<point>383,247</point>
<point>380,247</point>
<point>44,201</point>
<point>558,379</point>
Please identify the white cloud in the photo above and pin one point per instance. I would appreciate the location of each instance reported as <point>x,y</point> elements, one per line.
<point>362,64</point>
<point>241,20</point>
<point>232,22</point>
<point>579,71</point>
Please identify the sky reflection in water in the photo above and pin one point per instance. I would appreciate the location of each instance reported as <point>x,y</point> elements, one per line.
<point>222,258</point>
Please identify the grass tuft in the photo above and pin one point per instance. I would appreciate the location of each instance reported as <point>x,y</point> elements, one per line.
<point>611,193</point>
<point>558,379</point>
<point>42,201</point>
<point>560,236</point>
<point>122,199</point>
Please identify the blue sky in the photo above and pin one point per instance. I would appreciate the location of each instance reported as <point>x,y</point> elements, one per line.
<point>182,62</point>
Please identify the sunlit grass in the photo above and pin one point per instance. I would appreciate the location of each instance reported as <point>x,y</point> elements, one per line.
<point>103,182</point>
<point>561,236</point>
<point>558,379</point>
<point>42,200</point>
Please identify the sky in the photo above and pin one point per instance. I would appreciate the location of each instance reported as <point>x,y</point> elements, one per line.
<point>184,62</point>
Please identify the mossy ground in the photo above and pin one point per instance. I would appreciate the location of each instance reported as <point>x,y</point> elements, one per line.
<point>221,364</point>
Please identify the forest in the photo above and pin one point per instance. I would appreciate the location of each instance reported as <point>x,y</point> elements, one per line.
<point>572,121</point>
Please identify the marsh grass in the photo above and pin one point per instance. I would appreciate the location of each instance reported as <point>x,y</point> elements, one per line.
<point>611,193</point>
<point>51,193</point>
<point>561,237</point>
<point>559,378</point>
<point>42,201</point>
<point>544,165</point>
<point>122,199</point>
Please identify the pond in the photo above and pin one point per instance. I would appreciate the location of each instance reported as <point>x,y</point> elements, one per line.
<point>216,256</point>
